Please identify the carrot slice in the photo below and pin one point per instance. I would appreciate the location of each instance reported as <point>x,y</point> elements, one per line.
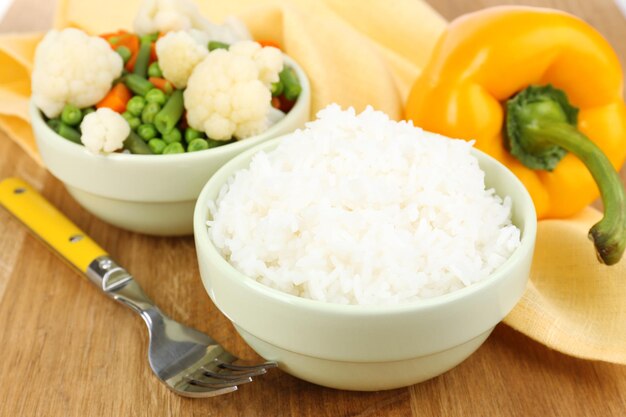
<point>116,98</point>
<point>286,105</point>
<point>162,84</point>
<point>109,35</point>
<point>130,65</point>
<point>153,54</point>
<point>183,121</point>
<point>268,42</point>
<point>130,41</point>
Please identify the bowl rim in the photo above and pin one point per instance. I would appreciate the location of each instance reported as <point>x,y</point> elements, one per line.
<point>302,101</point>
<point>217,181</point>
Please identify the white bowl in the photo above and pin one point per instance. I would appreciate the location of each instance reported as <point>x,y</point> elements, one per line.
<point>153,194</point>
<point>366,347</point>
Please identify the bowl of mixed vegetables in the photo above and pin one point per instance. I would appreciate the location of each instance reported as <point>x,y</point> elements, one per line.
<point>135,123</point>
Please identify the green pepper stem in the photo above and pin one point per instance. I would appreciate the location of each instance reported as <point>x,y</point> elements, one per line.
<point>609,234</point>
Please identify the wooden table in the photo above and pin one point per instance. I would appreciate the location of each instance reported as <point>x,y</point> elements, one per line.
<point>69,351</point>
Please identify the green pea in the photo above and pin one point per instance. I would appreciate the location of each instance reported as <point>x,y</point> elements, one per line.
<point>157,145</point>
<point>147,131</point>
<point>87,111</point>
<point>124,52</point>
<point>197,145</point>
<point>217,45</point>
<point>191,134</point>
<point>71,115</point>
<point>151,110</point>
<point>133,121</point>
<point>154,70</point>
<point>172,136</point>
<point>156,96</point>
<point>174,147</point>
<point>136,105</point>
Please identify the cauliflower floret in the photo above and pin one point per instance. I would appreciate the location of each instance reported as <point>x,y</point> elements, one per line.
<point>179,53</point>
<point>72,67</point>
<point>104,131</point>
<point>228,93</point>
<point>171,15</point>
<point>269,60</point>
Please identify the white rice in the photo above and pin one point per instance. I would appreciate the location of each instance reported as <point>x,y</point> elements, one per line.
<point>360,209</point>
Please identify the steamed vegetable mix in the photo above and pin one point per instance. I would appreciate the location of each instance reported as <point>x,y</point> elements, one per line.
<point>143,102</point>
<point>552,111</point>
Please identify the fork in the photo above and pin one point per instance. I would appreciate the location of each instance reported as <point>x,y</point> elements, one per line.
<point>188,362</point>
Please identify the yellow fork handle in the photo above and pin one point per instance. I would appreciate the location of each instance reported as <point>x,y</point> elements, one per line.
<point>48,223</point>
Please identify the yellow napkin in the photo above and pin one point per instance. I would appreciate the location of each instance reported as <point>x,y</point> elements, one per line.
<point>573,303</point>
<point>360,52</point>
<point>16,58</point>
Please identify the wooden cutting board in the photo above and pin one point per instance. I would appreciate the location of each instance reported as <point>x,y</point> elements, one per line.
<point>69,351</point>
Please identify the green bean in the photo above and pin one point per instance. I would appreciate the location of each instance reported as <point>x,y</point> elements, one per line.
<point>71,115</point>
<point>147,131</point>
<point>152,37</point>
<point>213,45</point>
<point>154,70</point>
<point>191,134</point>
<point>291,84</point>
<point>172,136</point>
<point>53,124</point>
<point>149,112</point>
<point>135,105</point>
<point>62,129</point>
<point>215,143</point>
<point>171,113</point>
<point>137,84</point>
<point>175,147</point>
<point>124,52</point>
<point>136,145</point>
<point>143,58</point>
<point>113,40</point>
<point>157,96</point>
<point>157,145</point>
<point>277,88</point>
<point>197,145</point>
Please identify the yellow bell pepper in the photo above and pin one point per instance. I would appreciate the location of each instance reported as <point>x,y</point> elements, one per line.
<point>541,91</point>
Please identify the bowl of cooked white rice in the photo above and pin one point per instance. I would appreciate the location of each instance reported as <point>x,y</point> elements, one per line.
<point>362,253</point>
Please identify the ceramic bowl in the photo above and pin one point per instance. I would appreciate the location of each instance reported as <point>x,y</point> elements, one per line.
<point>152,194</point>
<point>366,347</point>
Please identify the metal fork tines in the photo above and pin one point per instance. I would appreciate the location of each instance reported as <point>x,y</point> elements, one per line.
<point>189,362</point>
